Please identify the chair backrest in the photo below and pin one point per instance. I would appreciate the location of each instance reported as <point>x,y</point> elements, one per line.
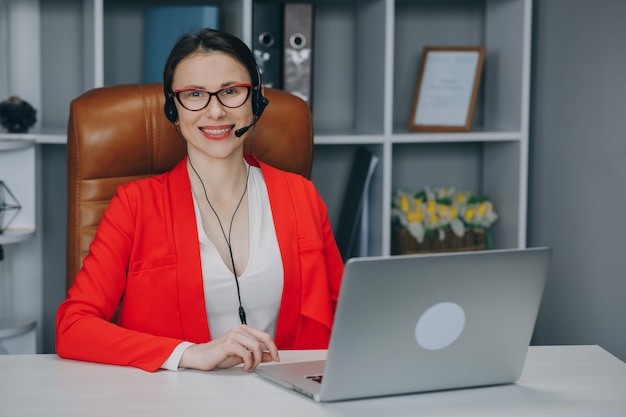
<point>120,133</point>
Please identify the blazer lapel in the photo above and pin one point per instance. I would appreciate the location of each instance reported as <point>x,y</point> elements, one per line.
<point>190,286</point>
<point>284,221</point>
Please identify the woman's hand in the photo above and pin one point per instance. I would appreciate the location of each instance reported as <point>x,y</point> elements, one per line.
<point>242,344</point>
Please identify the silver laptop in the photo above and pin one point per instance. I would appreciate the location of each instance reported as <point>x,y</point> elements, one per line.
<point>415,323</point>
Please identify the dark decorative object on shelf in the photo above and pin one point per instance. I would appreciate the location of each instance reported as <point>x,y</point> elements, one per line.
<point>8,202</point>
<point>16,115</point>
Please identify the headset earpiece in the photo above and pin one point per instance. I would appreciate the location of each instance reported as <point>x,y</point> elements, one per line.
<point>259,102</point>
<point>170,109</point>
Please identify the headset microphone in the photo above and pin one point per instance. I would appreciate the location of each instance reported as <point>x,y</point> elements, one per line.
<point>240,132</point>
<point>258,106</point>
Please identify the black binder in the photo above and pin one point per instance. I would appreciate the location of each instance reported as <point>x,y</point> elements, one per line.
<point>298,50</point>
<point>352,206</point>
<point>267,42</point>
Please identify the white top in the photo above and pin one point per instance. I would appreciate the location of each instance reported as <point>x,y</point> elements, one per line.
<point>261,283</point>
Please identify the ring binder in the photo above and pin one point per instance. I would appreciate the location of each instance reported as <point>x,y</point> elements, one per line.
<point>298,50</point>
<point>267,42</point>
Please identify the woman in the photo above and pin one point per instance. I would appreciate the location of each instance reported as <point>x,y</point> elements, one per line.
<point>221,261</point>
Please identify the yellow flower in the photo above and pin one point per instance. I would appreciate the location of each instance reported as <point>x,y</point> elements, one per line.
<point>415,216</point>
<point>431,206</point>
<point>439,209</point>
<point>404,203</point>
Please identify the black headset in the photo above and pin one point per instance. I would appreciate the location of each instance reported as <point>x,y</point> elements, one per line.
<point>259,102</point>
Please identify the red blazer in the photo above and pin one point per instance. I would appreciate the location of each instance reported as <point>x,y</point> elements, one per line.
<point>146,253</point>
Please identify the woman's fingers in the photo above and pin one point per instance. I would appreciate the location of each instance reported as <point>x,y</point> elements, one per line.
<point>267,344</point>
<point>241,345</point>
<point>251,345</point>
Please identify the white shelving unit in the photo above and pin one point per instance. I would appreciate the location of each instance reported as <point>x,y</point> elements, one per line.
<point>366,58</point>
<point>20,271</point>
<point>17,171</point>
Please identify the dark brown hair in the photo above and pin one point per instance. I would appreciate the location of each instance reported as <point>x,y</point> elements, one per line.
<point>207,40</point>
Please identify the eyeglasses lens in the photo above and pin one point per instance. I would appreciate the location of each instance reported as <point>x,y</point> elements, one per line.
<point>231,97</point>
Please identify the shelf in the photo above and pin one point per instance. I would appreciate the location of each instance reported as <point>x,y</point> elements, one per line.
<point>457,137</point>
<point>14,143</point>
<point>15,236</point>
<point>348,139</point>
<point>54,135</point>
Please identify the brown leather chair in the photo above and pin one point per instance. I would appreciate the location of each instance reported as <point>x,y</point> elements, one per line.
<point>120,133</point>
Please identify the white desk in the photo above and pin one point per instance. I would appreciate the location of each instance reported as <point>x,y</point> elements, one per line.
<point>557,381</point>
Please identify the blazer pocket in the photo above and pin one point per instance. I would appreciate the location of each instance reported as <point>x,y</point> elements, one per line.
<point>316,299</point>
<point>151,302</point>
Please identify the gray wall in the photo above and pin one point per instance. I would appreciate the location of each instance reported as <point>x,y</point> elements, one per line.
<point>578,169</point>
<point>577,177</point>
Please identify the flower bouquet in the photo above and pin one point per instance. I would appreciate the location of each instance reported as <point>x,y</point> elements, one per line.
<point>440,220</point>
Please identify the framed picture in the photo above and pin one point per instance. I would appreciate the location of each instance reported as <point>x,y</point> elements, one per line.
<point>446,90</point>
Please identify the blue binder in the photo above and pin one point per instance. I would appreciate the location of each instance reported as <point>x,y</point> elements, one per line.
<point>164,25</point>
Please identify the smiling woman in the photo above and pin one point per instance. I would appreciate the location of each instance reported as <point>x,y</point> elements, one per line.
<point>205,271</point>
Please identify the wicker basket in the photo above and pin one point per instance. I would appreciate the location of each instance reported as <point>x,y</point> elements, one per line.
<point>403,243</point>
